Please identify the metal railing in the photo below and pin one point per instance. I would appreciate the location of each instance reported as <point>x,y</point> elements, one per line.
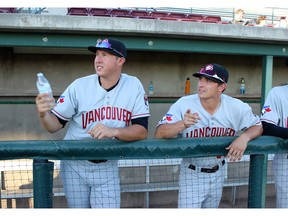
<point>272,14</point>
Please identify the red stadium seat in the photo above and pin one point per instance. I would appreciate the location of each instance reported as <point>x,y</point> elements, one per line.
<point>195,17</point>
<point>78,11</point>
<point>158,14</point>
<point>125,16</point>
<point>213,18</point>
<point>209,21</point>
<point>119,12</point>
<point>139,13</point>
<point>99,12</point>
<point>146,17</point>
<point>189,20</point>
<point>168,18</point>
<point>178,15</point>
<point>8,10</point>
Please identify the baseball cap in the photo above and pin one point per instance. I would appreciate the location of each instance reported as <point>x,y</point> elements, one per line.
<point>111,45</point>
<point>214,72</point>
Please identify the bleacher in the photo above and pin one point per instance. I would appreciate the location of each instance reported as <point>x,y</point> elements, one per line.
<point>143,14</point>
<point>204,15</point>
<point>8,10</point>
<point>209,15</point>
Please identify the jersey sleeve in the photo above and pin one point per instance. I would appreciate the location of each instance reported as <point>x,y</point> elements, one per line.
<point>141,106</point>
<point>173,115</point>
<point>66,104</point>
<point>248,118</point>
<point>269,111</point>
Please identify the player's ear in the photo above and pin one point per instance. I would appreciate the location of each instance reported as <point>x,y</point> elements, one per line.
<point>121,60</point>
<point>222,86</point>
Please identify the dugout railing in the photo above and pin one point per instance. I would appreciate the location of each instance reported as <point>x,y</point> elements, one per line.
<point>42,150</point>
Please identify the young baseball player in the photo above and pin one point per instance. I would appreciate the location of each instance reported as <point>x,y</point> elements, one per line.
<point>274,118</point>
<point>210,113</point>
<point>105,105</point>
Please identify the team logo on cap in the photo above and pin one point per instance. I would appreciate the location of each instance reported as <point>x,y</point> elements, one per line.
<point>209,67</point>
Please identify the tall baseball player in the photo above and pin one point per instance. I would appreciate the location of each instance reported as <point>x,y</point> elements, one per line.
<point>210,113</point>
<point>98,106</point>
<point>274,118</point>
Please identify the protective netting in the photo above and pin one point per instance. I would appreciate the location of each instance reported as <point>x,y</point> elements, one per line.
<point>137,183</point>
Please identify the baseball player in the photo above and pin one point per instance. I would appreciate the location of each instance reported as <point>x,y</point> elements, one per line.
<point>210,113</point>
<point>274,117</point>
<point>105,105</point>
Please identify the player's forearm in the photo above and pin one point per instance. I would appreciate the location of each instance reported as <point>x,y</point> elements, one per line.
<point>252,132</point>
<point>169,130</point>
<point>274,130</point>
<point>50,122</point>
<point>131,133</point>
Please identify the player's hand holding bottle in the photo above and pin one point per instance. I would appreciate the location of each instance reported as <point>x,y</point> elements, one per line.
<point>44,101</point>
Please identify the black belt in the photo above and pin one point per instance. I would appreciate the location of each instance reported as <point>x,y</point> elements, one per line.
<point>97,161</point>
<point>207,170</point>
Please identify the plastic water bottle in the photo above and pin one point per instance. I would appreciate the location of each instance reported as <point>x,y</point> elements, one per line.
<point>151,88</point>
<point>242,86</point>
<point>43,84</point>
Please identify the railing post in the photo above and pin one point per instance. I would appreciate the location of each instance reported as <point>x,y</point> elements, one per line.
<point>43,183</point>
<point>257,181</point>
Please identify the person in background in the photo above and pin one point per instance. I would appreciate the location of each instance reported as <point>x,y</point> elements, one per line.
<point>106,105</point>
<point>210,113</point>
<point>261,21</point>
<point>274,117</point>
<point>238,18</point>
<point>283,22</point>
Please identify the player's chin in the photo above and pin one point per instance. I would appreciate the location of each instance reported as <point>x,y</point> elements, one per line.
<point>201,94</point>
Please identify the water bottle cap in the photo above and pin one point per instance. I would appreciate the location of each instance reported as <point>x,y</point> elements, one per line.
<point>39,74</point>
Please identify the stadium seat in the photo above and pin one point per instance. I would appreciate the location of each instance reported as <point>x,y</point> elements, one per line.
<point>213,18</point>
<point>78,11</point>
<point>8,10</point>
<point>139,13</point>
<point>99,12</point>
<point>125,16</point>
<point>209,21</point>
<point>224,22</point>
<point>195,17</point>
<point>158,14</point>
<point>146,17</point>
<point>168,18</point>
<point>120,12</point>
<point>189,20</point>
<point>177,15</point>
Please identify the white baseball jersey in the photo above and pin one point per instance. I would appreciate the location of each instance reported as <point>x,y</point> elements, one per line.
<point>85,103</point>
<point>231,117</point>
<point>275,111</point>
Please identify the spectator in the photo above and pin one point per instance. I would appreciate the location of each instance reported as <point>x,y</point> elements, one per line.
<point>238,18</point>
<point>261,21</point>
<point>106,105</point>
<point>283,22</point>
<point>210,113</point>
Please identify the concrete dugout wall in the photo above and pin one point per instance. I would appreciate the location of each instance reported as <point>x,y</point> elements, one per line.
<point>167,70</point>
